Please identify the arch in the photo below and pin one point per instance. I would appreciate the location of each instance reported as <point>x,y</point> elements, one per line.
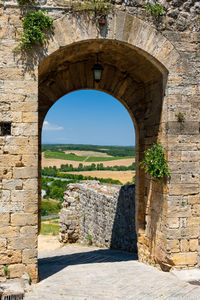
<point>134,77</point>
<point>122,27</point>
<point>153,99</point>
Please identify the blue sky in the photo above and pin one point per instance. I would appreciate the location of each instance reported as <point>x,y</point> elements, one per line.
<point>88,117</point>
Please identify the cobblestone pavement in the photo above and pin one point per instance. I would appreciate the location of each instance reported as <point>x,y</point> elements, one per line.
<point>89,273</point>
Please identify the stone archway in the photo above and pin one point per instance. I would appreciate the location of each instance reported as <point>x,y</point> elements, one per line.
<point>138,81</point>
<point>145,72</point>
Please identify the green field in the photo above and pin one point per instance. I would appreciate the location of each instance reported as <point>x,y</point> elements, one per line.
<point>52,229</point>
<point>73,157</point>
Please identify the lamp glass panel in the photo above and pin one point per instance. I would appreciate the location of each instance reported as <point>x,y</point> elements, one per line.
<point>97,74</point>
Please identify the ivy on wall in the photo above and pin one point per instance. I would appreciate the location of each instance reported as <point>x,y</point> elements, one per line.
<point>154,162</point>
<point>36,25</point>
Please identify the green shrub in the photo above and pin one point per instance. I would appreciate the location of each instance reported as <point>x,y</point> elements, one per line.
<point>35,27</point>
<point>155,9</point>
<point>154,162</point>
<point>50,208</point>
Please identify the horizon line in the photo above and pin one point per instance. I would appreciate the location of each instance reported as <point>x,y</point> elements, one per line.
<point>87,144</point>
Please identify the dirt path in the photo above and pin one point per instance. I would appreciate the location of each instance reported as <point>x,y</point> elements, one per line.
<point>48,242</point>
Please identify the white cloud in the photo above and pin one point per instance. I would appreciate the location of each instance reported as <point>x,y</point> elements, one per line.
<point>53,127</point>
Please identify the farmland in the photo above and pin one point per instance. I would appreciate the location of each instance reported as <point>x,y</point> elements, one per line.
<point>122,176</point>
<point>50,162</point>
<point>73,157</point>
<point>62,164</point>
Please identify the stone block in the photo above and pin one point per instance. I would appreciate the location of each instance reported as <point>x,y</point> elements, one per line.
<point>193,245</point>
<point>24,106</point>
<point>12,184</point>
<point>184,245</point>
<point>183,189</point>
<point>32,269</point>
<point>29,256</point>
<point>173,246</point>
<point>23,219</point>
<point>186,128</point>
<point>8,231</point>
<point>30,160</point>
<point>193,221</point>
<point>2,244</point>
<point>29,230</point>
<point>185,259</point>
<point>17,270</point>
<point>25,129</point>
<point>25,172</point>
<point>195,210</point>
<point>194,199</point>
<point>173,222</point>
<point>190,156</point>
<point>22,242</point>
<point>30,184</point>
<point>30,117</point>
<point>31,206</point>
<point>10,257</point>
<point>5,219</point>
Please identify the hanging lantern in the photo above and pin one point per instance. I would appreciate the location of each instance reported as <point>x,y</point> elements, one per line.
<point>97,72</point>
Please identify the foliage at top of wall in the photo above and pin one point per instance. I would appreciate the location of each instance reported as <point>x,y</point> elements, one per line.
<point>35,27</point>
<point>35,23</point>
<point>155,9</point>
<point>96,7</point>
<point>26,2</point>
<point>154,162</point>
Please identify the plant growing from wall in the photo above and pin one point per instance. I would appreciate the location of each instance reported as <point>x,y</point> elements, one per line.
<point>26,2</point>
<point>154,162</point>
<point>180,117</point>
<point>89,239</point>
<point>155,9</point>
<point>6,271</point>
<point>35,27</point>
<point>96,7</point>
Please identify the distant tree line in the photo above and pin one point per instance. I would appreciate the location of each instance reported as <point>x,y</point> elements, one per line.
<point>94,167</point>
<point>121,151</point>
<point>54,172</point>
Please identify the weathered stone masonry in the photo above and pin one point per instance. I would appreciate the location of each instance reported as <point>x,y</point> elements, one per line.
<point>152,68</point>
<point>104,212</point>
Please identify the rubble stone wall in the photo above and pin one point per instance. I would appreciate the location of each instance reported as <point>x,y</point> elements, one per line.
<point>104,214</point>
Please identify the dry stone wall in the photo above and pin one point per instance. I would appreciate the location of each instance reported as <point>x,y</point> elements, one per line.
<point>103,213</point>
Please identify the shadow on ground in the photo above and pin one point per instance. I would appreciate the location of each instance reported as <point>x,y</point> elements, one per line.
<point>51,265</point>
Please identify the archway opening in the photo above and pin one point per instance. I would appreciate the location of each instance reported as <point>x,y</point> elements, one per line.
<point>137,80</point>
<point>88,147</point>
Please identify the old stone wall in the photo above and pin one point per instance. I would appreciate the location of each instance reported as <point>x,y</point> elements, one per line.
<point>103,213</point>
<point>153,67</point>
